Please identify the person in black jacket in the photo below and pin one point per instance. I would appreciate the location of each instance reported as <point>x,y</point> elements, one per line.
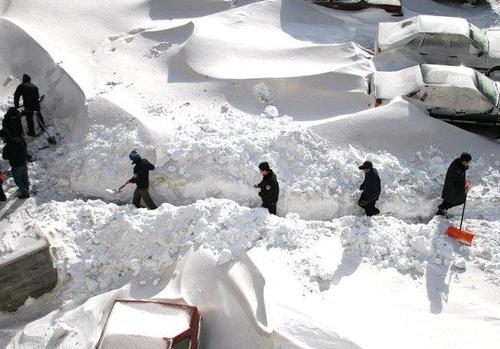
<point>31,98</point>
<point>141,179</point>
<point>455,190</point>
<point>12,124</point>
<point>370,188</point>
<point>269,188</point>
<point>15,152</point>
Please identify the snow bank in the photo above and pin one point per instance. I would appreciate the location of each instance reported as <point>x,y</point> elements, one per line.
<point>247,50</point>
<point>217,157</point>
<point>215,254</point>
<point>304,98</point>
<point>64,100</point>
<point>400,128</point>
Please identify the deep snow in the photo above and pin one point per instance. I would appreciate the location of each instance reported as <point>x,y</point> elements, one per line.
<point>206,91</point>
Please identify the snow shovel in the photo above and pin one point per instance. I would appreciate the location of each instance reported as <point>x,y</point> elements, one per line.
<point>115,191</point>
<point>50,139</point>
<point>463,236</point>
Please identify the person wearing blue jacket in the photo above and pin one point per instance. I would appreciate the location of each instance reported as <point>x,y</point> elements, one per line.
<point>370,188</point>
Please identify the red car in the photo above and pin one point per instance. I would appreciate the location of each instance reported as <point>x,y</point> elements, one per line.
<point>144,324</point>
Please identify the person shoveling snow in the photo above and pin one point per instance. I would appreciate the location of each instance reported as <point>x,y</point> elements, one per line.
<point>31,100</point>
<point>141,179</point>
<point>269,188</point>
<point>455,189</point>
<point>370,188</point>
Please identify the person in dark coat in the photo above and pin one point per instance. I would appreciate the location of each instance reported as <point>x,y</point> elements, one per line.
<point>455,190</point>
<point>31,98</point>
<point>141,179</point>
<point>370,188</point>
<point>15,151</point>
<point>269,188</point>
<point>12,124</point>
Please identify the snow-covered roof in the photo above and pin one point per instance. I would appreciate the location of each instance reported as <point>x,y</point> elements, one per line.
<point>463,77</point>
<point>442,24</point>
<point>142,324</point>
<point>392,34</point>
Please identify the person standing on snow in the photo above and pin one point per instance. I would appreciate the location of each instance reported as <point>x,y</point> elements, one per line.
<point>370,188</point>
<point>15,152</point>
<point>269,188</point>
<point>141,179</point>
<point>31,100</point>
<point>455,187</point>
<point>12,124</point>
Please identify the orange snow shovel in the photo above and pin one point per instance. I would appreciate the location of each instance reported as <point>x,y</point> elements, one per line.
<point>463,236</point>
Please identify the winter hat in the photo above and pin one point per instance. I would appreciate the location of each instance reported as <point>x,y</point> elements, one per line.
<point>367,165</point>
<point>12,112</point>
<point>134,155</point>
<point>264,166</point>
<point>465,157</point>
<point>26,78</point>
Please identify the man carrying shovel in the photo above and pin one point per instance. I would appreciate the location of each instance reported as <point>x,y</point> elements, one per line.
<point>455,187</point>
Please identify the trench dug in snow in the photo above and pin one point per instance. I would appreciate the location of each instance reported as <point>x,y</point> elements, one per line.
<point>316,277</point>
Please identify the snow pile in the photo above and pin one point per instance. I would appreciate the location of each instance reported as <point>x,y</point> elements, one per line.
<point>263,49</point>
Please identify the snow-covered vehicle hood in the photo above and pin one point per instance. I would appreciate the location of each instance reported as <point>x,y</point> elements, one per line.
<point>396,34</point>
<point>493,36</point>
<point>389,85</point>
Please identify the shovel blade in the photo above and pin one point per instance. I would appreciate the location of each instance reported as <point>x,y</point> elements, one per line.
<point>112,191</point>
<point>462,236</point>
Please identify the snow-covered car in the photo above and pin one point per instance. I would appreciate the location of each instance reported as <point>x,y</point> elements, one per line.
<point>455,94</point>
<point>145,324</point>
<point>442,40</point>
<point>392,6</point>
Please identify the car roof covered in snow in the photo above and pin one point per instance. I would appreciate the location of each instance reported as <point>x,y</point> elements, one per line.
<point>393,34</point>
<point>403,82</point>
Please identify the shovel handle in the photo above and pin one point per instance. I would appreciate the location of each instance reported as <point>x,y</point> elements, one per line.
<point>463,211</point>
<point>124,184</point>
